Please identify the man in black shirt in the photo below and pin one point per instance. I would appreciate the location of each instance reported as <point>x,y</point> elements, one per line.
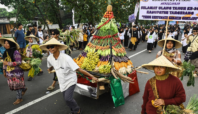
<point>161,31</point>
<point>29,30</point>
<point>135,34</point>
<point>35,31</point>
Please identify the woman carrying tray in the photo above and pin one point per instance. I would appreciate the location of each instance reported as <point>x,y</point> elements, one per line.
<point>11,70</point>
<point>163,89</point>
<point>29,50</point>
<point>172,54</point>
<point>65,69</point>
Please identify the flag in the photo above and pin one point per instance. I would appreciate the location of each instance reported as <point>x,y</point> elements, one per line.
<point>132,17</point>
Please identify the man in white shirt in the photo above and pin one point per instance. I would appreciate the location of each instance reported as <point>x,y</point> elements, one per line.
<point>40,35</point>
<point>184,42</point>
<point>55,79</point>
<point>65,69</point>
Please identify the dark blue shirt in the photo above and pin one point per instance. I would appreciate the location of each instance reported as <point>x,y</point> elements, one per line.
<point>19,34</point>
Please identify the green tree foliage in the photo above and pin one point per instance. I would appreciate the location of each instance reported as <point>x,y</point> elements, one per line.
<point>91,11</point>
<point>86,11</point>
<point>3,12</point>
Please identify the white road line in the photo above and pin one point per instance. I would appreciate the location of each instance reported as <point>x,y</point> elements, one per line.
<point>49,95</point>
<point>33,102</point>
<point>137,53</point>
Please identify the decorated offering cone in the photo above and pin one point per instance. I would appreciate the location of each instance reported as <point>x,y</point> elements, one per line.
<point>97,55</point>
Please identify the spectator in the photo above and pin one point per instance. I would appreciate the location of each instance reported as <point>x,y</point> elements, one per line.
<point>184,43</point>
<point>52,35</point>
<point>35,31</point>
<point>19,37</point>
<point>29,30</point>
<point>85,38</point>
<point>40,34</point>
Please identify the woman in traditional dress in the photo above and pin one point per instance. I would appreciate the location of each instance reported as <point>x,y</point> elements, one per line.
<point>33,45</point>
<point>11,70</point>
<point>163,89</point>
<point>150,41</point>
<point>192,40</point>
<point>126,37</point>
<point>172,54</point>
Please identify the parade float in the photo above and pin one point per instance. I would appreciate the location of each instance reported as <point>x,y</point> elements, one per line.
<point>106,58</point>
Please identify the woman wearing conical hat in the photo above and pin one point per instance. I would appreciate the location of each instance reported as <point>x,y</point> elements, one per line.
<point>172,54</point>
<point>11,70</point>
<point>163,89</point>
<point>29,50</point>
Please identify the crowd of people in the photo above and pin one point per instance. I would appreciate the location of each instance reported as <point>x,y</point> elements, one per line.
<point>12,51</point>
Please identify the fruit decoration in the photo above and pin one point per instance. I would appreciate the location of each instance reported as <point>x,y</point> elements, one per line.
<point>99,57</point>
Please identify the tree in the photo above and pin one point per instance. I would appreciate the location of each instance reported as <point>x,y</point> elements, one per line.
<point>3,12</point>
<point>91,11</point>
<point>29,9</point>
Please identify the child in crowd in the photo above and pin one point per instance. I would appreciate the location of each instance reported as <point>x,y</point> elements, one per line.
<point>184,42</point>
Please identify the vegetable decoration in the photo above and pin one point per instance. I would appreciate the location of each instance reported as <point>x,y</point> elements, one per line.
<point>70,37</point>
<point>189,68</point>
<point>193,104</point>
<point>191,108</point>
<point>103,59</point>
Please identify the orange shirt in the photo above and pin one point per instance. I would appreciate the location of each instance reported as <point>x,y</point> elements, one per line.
<point>85,37</point>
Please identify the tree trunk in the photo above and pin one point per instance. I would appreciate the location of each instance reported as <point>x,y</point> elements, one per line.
<point>43,18</point>
<point>58,14</point>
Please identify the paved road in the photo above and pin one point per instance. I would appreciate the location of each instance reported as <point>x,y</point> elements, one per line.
<point>104,105</point>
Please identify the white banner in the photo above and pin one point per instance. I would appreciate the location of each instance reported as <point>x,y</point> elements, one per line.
<point>176,10</point>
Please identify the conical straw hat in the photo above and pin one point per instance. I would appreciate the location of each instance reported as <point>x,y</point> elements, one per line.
<point>161,61</point>
<point>53,41</point>
<point>2,40</point>
<point>31,36</point>
<point>177,43</point>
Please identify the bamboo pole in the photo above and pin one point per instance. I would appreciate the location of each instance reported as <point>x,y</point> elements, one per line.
<point>165,35</point>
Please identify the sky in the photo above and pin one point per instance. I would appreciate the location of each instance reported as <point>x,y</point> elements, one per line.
<point>8,9</point>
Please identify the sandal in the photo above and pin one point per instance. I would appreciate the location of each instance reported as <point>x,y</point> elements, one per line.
<point>50,88</point>
<point>40,73</point>
<point>30,79</point>
<point>17,101</point>
<point>23,92</point>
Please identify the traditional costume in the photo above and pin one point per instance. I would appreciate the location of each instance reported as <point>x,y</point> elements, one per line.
<point>29,50</point>
<point>13,73</point>
<point>150,41</point>
<point>134,39</point>
<point>193,49</point>
<point>166,87</point>
<point>174,54</point>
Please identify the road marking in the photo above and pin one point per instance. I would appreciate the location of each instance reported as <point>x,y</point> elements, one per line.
<point>137,53</point>
<point>33,102</point>
<point>49,95</point>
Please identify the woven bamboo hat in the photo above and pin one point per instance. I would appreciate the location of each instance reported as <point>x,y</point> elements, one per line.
<point>177,43</point>
<point>31,36</point>
<point>161,61</point>
<point>53,41</point>
<point>2,40</point>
